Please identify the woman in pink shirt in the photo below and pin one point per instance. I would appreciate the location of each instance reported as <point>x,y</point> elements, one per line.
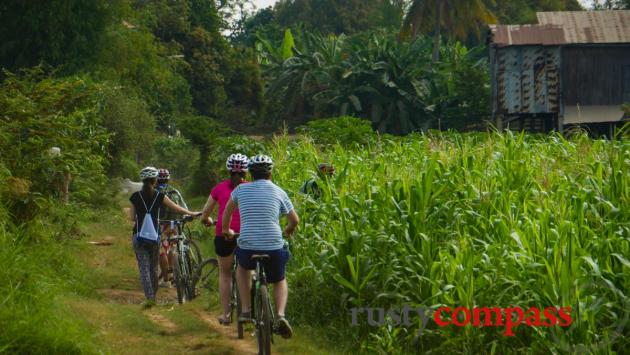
<point>220,194</point>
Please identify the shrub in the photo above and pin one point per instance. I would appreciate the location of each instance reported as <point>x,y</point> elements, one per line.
<point>38,113</point>
<point>345,130</point>
<point>176,154</point>
<point>132,129</point>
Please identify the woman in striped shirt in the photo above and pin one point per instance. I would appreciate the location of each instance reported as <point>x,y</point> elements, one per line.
<point>261,204</point>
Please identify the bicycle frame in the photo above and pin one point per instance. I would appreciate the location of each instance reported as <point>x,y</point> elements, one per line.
<point>258,281</point>
<point>183,251</point>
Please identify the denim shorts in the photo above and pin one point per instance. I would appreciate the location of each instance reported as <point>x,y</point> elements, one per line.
<point>274,267</point>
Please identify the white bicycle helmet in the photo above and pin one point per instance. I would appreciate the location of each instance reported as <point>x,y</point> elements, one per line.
<point>148,173</point>
<point>237,163</point>
<point>261,161</point>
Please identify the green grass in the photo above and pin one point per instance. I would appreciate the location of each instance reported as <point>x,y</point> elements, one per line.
<point>35,277</point>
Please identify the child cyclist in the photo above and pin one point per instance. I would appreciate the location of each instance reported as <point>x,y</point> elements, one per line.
<point>261,204</point>
<point>167,258</point>
<point>236,165</point>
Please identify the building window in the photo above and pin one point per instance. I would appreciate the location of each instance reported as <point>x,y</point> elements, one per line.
<point>626,84</point>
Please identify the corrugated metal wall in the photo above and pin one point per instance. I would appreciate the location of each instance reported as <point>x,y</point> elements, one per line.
<point>527,79</point>
<point>595,76</point>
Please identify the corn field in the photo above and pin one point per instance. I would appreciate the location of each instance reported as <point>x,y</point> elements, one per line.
<point>464,220</point>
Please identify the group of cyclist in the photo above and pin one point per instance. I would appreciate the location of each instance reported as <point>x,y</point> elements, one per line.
<point>250,209</point>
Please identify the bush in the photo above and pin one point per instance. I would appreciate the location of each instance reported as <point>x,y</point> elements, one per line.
<point>132,127</point>
<point>38,113</point>
<point>176,154</point>
<point>345,130</point>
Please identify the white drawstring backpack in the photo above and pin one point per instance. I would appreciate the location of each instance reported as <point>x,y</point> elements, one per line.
<point>147,231</point>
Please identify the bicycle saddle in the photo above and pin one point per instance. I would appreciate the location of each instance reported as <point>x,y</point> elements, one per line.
<point>260,257</point>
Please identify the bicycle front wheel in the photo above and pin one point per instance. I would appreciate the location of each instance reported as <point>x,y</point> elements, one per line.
<point>263,321</point>
<point>179,283</point>
<point>189,286</point>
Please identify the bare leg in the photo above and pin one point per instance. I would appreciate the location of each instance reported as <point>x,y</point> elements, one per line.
<point>244,282</point>
<point>172,259</point>
<point>281,294</point>
<point>163,267</point>
<point>225,282</point>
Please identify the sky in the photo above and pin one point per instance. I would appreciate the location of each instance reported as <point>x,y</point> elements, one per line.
<point>264,3</point>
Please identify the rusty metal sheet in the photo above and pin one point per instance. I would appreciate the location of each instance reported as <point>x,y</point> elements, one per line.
<point>510,35</point>
<point>567,27</point>
<point>527,80</point>
<point>590,26</point>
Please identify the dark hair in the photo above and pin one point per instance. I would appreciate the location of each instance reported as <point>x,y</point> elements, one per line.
<point>258,174</point>
<point>147,187</point>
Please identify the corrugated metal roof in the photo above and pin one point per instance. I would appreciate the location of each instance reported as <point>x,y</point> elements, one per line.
<point>568,27</point>
<point>509,35</point>
<point>590,26</point>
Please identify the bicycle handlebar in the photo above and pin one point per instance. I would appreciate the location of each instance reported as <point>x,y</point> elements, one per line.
<point>185,219</point>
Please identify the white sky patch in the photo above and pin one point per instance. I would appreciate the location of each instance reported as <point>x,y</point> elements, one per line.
<point>586,3</point>
<point>260,4</point>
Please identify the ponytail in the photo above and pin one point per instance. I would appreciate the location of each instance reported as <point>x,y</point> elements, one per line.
<point>147,188</point>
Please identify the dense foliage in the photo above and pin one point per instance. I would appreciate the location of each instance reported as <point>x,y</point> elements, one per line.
<point>376,76</point>
<point>91,90</point>
<point>524,11</point>
<point>464,220</point>
<point>37,114</point>
<point>337,17</point>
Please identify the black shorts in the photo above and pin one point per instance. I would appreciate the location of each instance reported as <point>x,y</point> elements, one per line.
<point>274,268</point>
<point>224,247</point>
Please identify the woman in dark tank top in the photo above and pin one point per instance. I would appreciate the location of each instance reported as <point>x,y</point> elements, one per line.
<point>147,252</point>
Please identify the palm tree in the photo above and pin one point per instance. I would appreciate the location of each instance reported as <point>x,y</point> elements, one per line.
<point>458,17</point>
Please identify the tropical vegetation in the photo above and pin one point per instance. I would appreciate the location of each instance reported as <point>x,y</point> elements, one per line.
<point>417,214</point>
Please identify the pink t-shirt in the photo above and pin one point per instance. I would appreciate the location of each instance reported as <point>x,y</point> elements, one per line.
<point>221,193</point>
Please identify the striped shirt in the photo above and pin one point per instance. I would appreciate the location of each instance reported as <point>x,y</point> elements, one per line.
<point>261,203</point>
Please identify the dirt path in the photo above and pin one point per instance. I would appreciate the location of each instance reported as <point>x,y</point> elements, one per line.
<point>122,326</point>
<point>243,346</point>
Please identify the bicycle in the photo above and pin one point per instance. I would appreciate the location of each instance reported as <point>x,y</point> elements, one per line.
<point>204,275</point>
<point>261,308</point>
<point>263,315</point>
<point>187,260</point>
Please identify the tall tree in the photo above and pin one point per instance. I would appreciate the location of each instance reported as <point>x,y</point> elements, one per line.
<point>458,18</point>
<point>611,4</point>
<point>340,16</point>
<point>524,11</point>
<point>55,32</point>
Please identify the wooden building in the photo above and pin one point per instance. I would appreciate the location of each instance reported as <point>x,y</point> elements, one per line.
<point>572,68</point>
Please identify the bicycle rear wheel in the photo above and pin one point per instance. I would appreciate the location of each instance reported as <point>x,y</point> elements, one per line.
<point>235,305</point>
<point>263,321</point>
<point>205,274</point>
